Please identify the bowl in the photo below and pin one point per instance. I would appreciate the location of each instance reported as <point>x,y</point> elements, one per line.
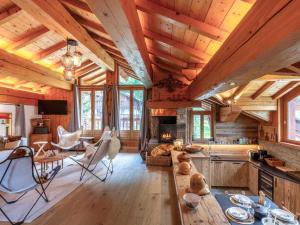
<point>260,211</point>
<point>191,200</point>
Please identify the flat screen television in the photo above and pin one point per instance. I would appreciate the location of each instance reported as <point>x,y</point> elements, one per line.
<point>52,107</point>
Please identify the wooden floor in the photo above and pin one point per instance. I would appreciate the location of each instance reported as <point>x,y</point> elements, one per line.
<point>133,195</point>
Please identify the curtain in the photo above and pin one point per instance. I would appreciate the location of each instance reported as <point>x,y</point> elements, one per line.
<point>20,126</point>
<point>114,120</point>
<point>188,127</point>
<point>75,114</point>
<point>144,131</point>
<point>104,108</point>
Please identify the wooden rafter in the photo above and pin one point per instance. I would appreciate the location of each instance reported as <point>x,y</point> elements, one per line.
<point>198,54</point>
<point>20,83</point>
<point>90,24</point>
<point>271,43</point>
<point>287,88</point>
<point>56,65</point>
<point>50,50</point>
<point>87,69</point>
<point>20,68</point>
<point>98,81</point>
<point>262,89</point>
<point>239,91</point>
<point>168,57</point>
<point>121,21</point>
<point>98,75</point>
<point>28,37</point>
<point>84,65</point>
<point>104,41</point>
<point>9,13</point>
<point>54,16</point>
<point>77,4</point>
<point>196,25</point>
<point>274,77</point>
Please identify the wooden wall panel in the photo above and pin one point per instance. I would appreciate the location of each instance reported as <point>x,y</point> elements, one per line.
<point>56,120</point>
<point>242,127</point>
<point>18,97</point>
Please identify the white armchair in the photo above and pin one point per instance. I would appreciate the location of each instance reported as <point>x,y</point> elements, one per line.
<point>67,140</point>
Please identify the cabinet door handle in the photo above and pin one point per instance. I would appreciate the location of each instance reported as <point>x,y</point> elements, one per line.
<point>237,163</point>
<point>276,182</point>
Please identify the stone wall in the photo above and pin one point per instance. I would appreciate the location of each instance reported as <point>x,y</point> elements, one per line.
<point>290,155</point>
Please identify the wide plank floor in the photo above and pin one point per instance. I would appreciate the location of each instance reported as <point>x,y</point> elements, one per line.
<point>133,195</point>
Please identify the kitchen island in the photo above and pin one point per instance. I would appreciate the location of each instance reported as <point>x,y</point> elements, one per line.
<point>208,212</point>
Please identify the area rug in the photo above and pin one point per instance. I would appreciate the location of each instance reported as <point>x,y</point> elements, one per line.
<point>65,182</point>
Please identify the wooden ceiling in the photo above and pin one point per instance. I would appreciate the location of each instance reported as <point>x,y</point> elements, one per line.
<point>204,43</point>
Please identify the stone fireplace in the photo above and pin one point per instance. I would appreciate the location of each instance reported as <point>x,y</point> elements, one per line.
<point>167,129</point>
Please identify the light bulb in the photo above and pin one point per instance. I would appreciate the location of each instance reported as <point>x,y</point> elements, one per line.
<point>69,75</point>
<point>67,60</point>
<point>77,59</point>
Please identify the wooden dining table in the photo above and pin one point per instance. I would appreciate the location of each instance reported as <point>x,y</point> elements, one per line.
<point>225,203</point>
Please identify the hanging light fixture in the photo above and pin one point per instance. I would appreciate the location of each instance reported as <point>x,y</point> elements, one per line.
<point>71,60</point>
<point>69,74</point>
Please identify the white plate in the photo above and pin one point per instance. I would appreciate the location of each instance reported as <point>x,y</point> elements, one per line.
<point>242,199</point>
<point>283,215</point>
<point>238,213</point>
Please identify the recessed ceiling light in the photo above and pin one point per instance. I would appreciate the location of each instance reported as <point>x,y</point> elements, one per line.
<point>232,83</point>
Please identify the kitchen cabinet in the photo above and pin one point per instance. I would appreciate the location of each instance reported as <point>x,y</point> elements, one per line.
<point>253,179</point>
<point>203,166</point>
<point>229,173</point>
<point>287,194</point>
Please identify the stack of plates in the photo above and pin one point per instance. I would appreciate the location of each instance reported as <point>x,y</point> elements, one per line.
<point>239,215</point>
<point>241,200</point>
<point>284,216</point>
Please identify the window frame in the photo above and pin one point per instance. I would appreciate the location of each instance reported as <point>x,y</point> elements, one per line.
<point>202,114</point>
<point>131,88</point>
<point>92,131</point>
<point>283,106</point>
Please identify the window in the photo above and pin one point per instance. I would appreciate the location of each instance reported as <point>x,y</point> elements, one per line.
<point>131,107</point>
<point>126,79</point>
<point>201,127</point>
<point>293,119</point>
<point>91,108</point>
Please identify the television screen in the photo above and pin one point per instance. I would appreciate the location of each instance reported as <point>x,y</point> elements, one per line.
<point>52,107</point>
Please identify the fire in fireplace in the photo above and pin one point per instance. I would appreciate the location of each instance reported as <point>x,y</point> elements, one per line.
<point>167,129</point>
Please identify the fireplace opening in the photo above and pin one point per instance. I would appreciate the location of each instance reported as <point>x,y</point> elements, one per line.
<point>167,129</point>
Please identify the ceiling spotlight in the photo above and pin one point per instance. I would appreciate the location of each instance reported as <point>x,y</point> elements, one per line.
<point>232,83</point>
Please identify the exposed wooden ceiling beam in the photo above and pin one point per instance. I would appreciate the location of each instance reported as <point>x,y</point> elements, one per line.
<point>56,65</point>
<point>28,37</point>
<point>195,25</point>
<point>130,72</point>
<point>274,77</point>
<point>104,41</point>
<point>54,16</point>
<point>20,83</point>
<point>98,75</point>
<point>48,51</point>
<point>273,43</point>
<point>77,4</point>
<point>90,73</point>
<point>121,21</point>
<point>90,24</point>
<point>84,65</point>
<point>198,54</point>
<point>262,89</point>
<point>98,81</point>
<point>287,88</point>
<point>240,91</point>
<point>15,66</point>
<point>260,104</point>
<point>87,70</point>
<point>7,14</point>
<point>168,57</point>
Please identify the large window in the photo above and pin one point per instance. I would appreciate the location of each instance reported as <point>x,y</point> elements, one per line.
<point>293,119</point>
<point>131,107</point>
<point>201,126</point>
<point>91,108</point>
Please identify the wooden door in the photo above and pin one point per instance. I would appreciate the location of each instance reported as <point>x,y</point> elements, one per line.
<point>217,175</point>
<point>253,179</point>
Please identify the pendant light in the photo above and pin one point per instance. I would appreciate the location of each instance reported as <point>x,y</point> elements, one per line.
<point>71,60</point>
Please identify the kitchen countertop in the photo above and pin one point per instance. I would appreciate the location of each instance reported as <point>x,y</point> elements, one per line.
<point>273,171</point>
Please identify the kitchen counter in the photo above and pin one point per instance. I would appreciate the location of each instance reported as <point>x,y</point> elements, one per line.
<point>273,171</point>
<point>209,210</point>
